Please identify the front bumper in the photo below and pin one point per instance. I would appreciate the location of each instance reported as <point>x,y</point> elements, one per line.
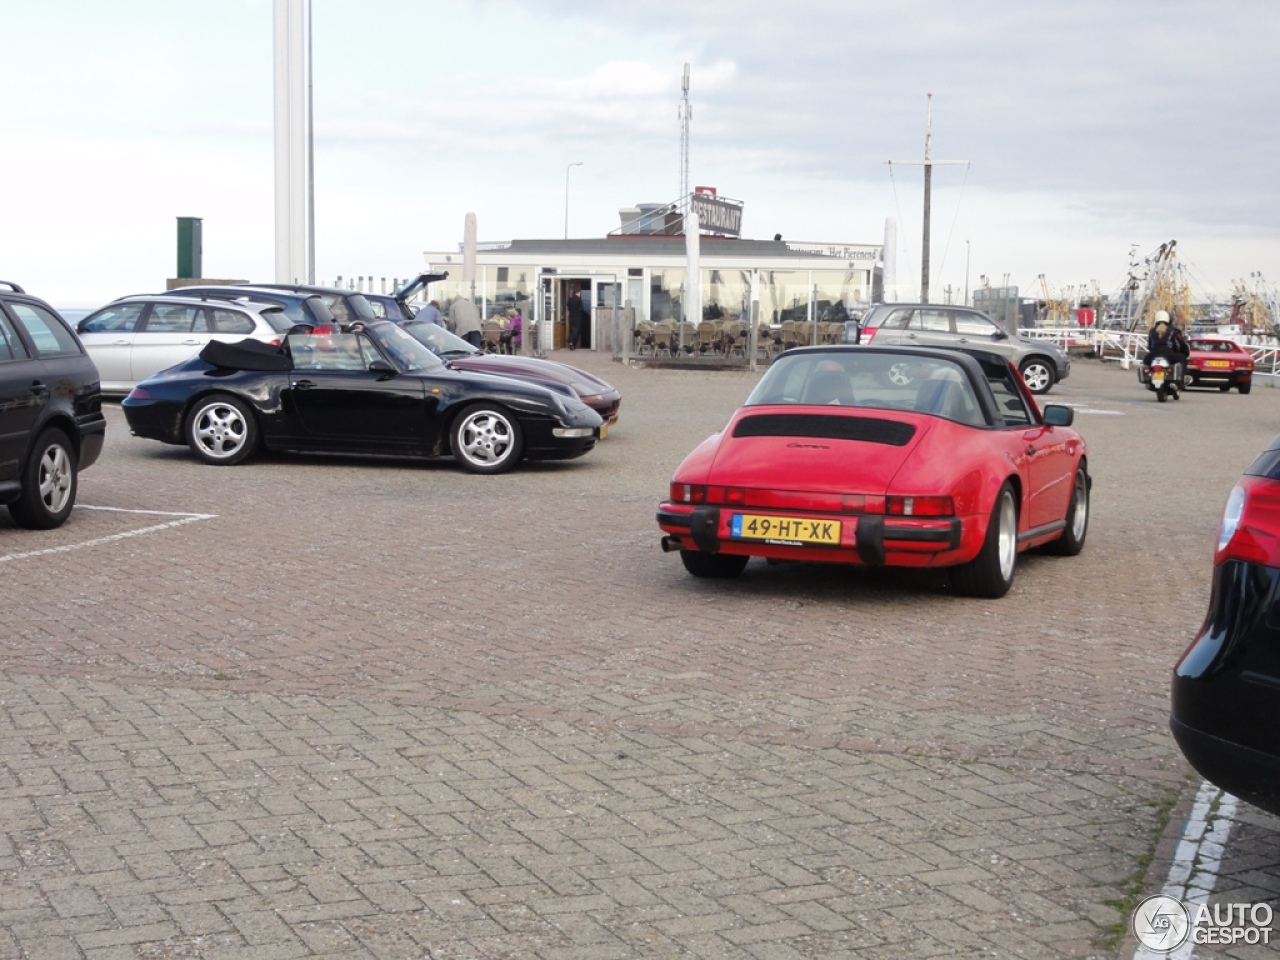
<point>871,540</point>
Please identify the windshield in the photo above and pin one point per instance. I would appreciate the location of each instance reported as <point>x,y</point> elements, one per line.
<point>439,340</point>
<point>862,378</point>
<point>408,353</point>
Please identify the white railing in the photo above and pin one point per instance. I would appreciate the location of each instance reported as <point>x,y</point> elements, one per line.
<point>1128,348</point>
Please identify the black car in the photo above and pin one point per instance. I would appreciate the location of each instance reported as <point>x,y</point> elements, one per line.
<point>51,420</point>
<point>371,391</point>
<point>1226,686</point>
<point>398,306</point>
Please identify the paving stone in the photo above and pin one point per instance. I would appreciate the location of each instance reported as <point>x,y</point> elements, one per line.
<point>469,717</point>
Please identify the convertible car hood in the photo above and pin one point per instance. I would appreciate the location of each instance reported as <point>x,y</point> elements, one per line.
<point>790,449</point>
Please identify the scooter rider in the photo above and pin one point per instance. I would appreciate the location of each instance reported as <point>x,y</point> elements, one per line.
<point>1166,340</point>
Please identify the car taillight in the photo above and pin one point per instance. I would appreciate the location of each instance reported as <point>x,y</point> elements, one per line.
<point>139,393</point>
<point>919,507</point>
<point>688,493</point>
<point>868,334</point>
<point>1250,528</point>
<point>701,493</point>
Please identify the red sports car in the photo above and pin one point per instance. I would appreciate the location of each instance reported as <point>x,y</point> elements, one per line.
<point>1218,362</point>
<point>831,460</point>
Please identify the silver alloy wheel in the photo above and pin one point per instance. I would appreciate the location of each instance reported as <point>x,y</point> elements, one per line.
<point>56,478</point>
<point>486,438</point>
<point>900,374</point>
<point>1079,506</point>
<point>1007,548</point>
<point>1038,376</point>
<point>220,430</point>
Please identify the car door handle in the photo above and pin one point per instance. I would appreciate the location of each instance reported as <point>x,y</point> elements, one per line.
<point>39,389</point>
<point>191,342</point>
<point>304,384</point>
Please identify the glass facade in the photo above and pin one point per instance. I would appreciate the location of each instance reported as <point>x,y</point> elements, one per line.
<point>657,287</point>
<point>666,294</point>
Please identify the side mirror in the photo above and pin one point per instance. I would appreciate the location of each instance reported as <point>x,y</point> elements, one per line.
<point>1059,415</point>
<point>999,335</point>
<point>381,366</point>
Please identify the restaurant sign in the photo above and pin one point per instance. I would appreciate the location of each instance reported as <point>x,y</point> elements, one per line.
<point>716,215</point>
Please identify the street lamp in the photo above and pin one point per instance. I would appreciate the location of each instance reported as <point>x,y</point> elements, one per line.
<point>576,163</point>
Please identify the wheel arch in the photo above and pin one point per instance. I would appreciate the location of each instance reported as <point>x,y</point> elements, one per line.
<point>57,420</point>
<point>263,442</point>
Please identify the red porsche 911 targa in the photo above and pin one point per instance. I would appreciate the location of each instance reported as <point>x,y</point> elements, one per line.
<point>834,460</point>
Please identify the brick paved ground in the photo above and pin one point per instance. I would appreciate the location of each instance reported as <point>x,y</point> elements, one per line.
<point>312,708</point>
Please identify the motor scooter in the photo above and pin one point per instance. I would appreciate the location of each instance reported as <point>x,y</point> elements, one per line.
<point>1162,377</point>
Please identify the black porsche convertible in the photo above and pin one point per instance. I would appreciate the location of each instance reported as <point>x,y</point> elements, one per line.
<point>371,391</point>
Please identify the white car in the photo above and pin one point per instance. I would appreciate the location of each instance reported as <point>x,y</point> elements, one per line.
<point>131,338</point>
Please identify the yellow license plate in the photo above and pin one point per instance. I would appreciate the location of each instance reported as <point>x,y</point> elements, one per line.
<point>604,429</point>
<point>751,526</point>
<point>1217,363</point>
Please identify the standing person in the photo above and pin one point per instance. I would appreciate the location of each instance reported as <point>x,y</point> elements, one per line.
<point>464,320</point>
<point>577,316</point>
<point>431,314</point>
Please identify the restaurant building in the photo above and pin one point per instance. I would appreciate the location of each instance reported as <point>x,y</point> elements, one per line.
<point>643,268</point>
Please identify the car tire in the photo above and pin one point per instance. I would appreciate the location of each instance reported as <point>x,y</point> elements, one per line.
<point>487,438</point>
<point>1224,388</point>
<point>221,430</point>
<point>1244,388</point>
<point>49,483</point>
<point>990,573</point>
<point>1072,540</point>
<point>713,566</point>
<point>1037,373</point>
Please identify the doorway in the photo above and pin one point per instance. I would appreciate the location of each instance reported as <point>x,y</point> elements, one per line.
<point>565,287</point>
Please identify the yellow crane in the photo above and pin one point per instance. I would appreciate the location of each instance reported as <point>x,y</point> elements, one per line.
<point>1056,311</point>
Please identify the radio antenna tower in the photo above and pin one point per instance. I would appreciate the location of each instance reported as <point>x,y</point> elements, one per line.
<point>686,112</point>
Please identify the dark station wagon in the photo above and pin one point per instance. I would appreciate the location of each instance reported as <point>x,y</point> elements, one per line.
<point>51,420</point>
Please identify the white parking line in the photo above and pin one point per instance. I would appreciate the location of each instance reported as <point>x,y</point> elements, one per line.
<point>1194,871</point>
<point>179,520</point>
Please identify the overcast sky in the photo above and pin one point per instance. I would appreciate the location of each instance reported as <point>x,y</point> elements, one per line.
<point>1088,129</point>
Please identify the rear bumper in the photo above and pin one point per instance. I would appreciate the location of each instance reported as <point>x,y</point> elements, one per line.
<point>1249,774</point>
<point>93,433</point>
<point>866,540</point>
<point>1218,378</point>
<point>1225,690</point>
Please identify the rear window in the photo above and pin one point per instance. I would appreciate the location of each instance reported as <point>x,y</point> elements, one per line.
<point>50,335</point>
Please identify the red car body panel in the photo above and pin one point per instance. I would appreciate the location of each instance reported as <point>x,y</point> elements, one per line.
<point>821,478</point>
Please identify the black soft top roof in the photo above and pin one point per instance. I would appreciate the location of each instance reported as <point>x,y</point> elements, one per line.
<point>245,355</point>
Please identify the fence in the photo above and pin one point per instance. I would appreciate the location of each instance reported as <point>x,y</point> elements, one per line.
<point>1129,348</point>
